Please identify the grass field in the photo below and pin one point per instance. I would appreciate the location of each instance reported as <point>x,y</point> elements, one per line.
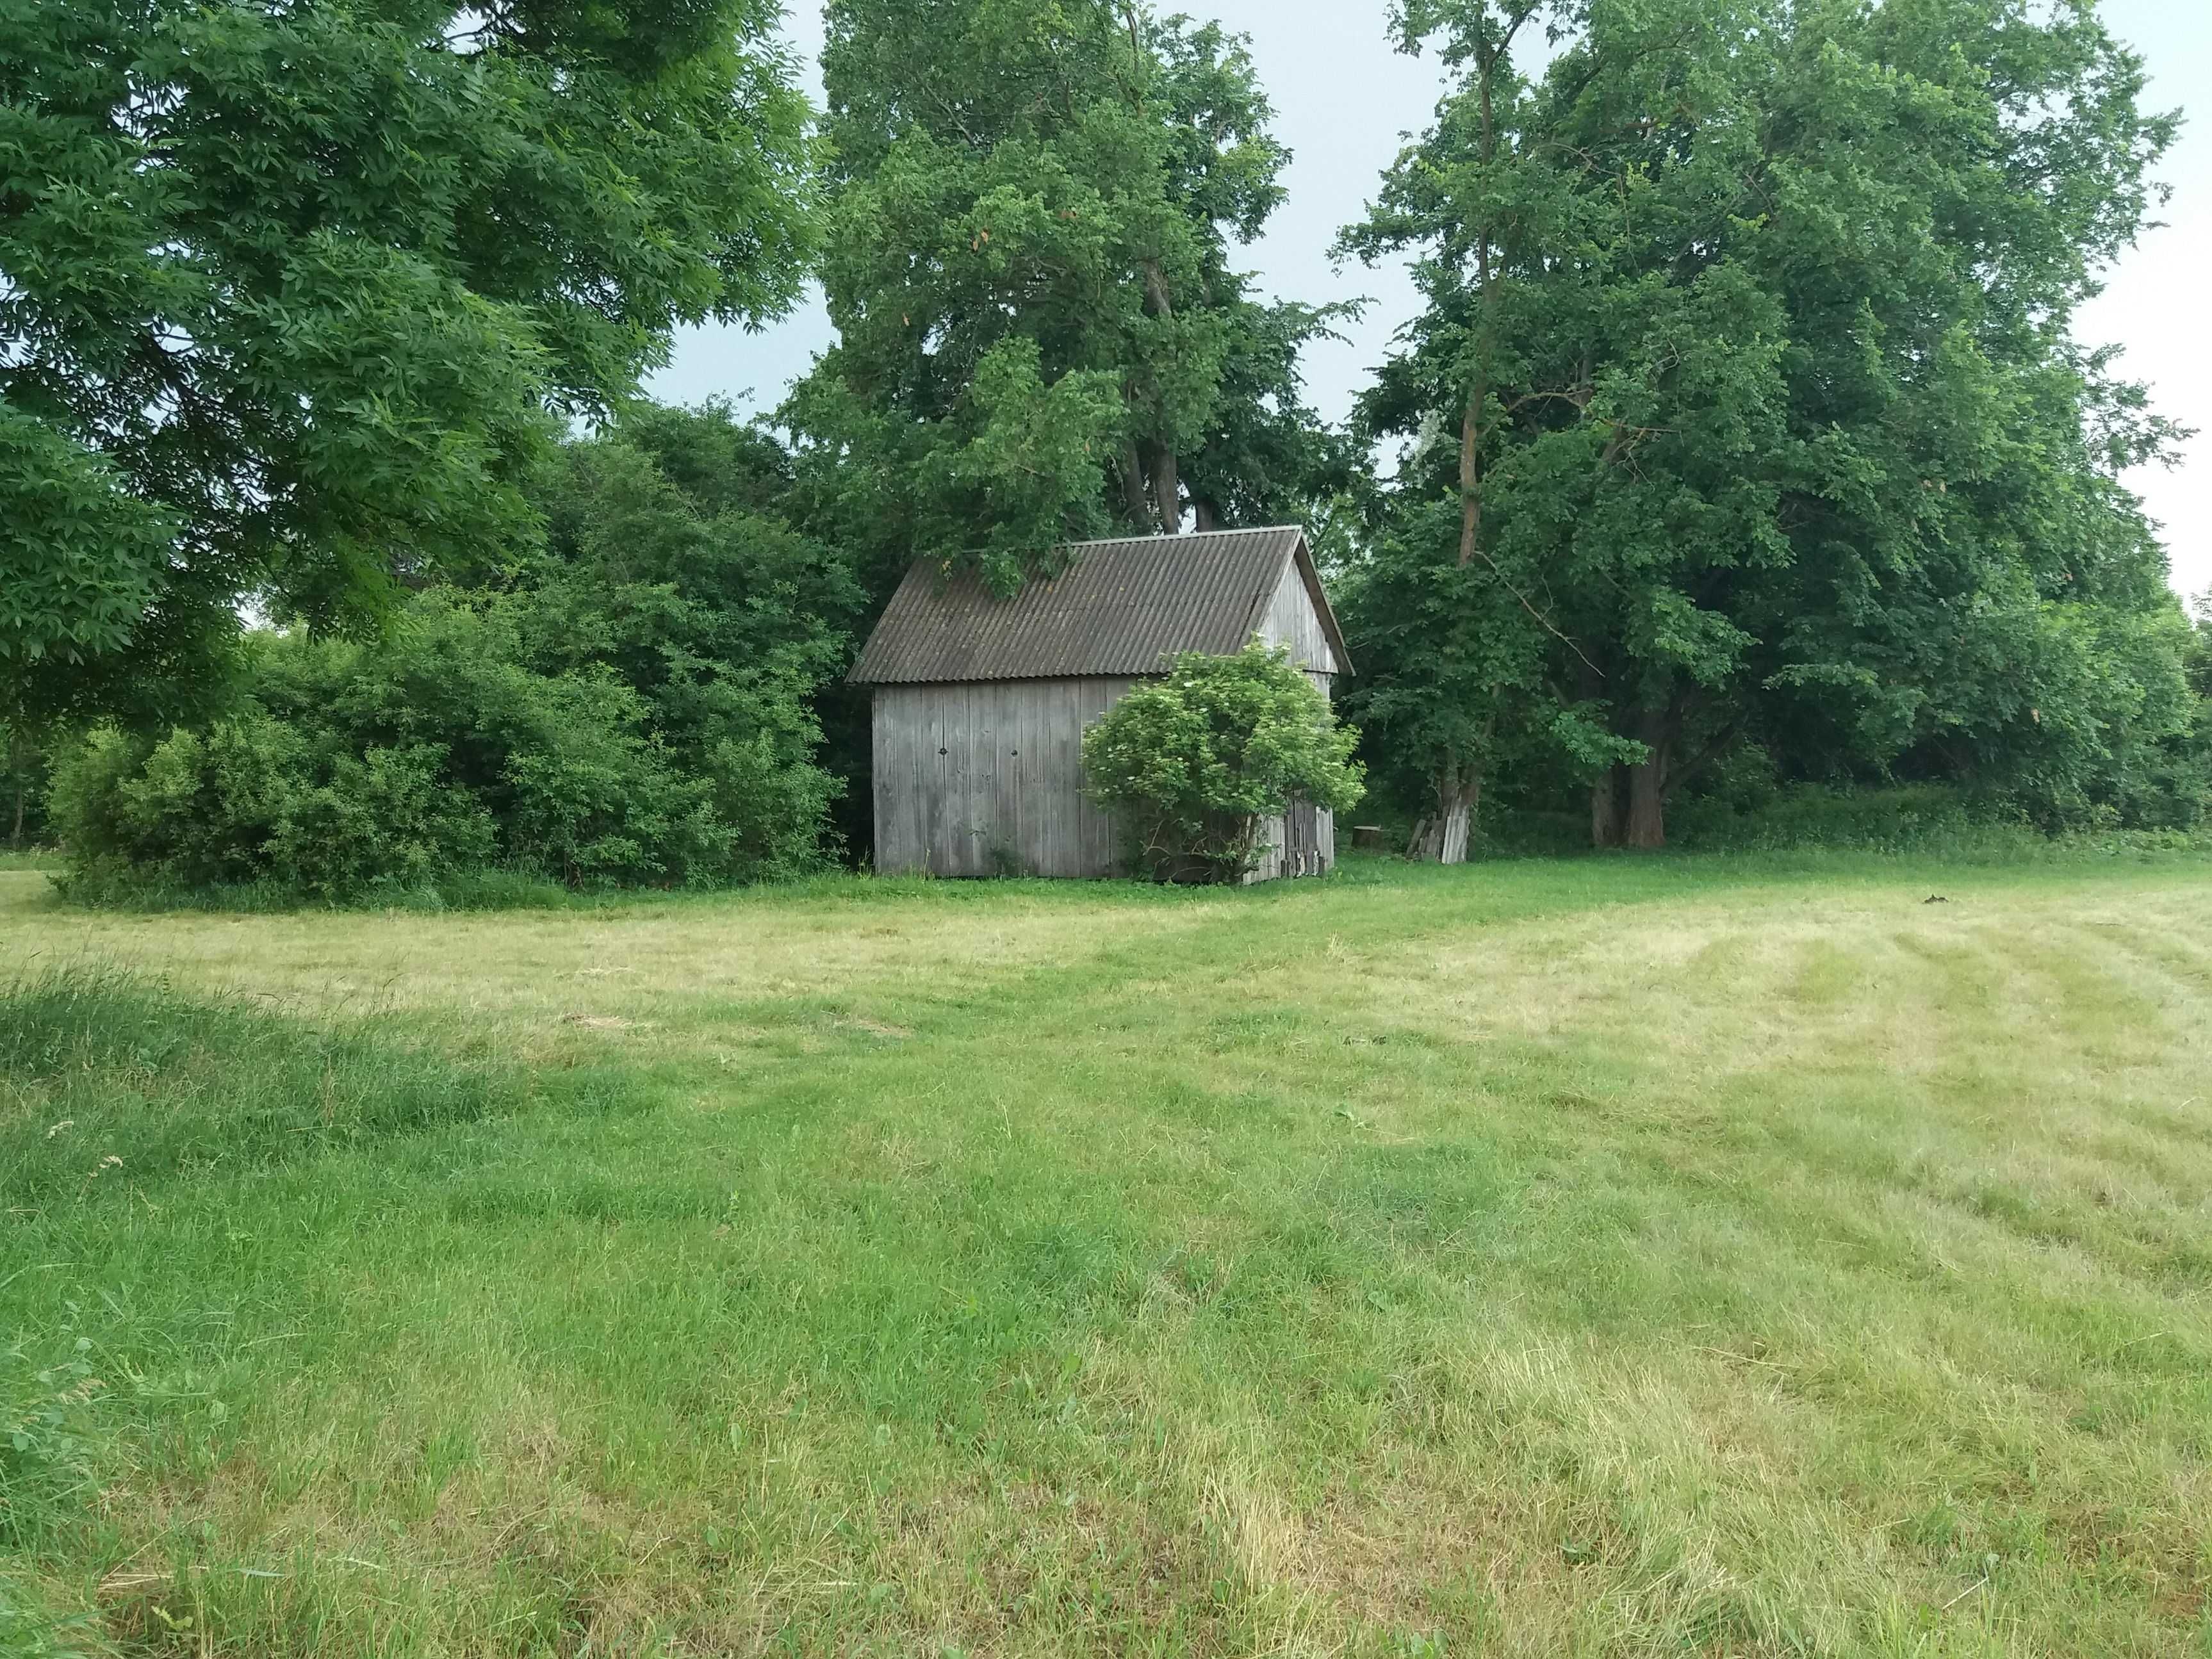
<point>1683,1256</point>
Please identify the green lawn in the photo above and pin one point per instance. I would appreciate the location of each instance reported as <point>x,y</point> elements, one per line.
<point>1681,1255</point>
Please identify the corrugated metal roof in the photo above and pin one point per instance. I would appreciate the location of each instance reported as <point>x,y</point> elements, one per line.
<point>1119,607</point>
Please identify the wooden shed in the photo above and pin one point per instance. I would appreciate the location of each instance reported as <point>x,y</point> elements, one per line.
<point>980,702</point>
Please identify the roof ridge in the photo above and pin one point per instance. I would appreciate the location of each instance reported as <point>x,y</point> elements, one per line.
<point>1119,607</point>
<point>1167,539</point>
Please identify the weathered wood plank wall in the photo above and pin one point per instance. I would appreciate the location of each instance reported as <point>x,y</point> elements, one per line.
<point>1291,619</point>
<point>1306,845</point>
<point>985,778</point>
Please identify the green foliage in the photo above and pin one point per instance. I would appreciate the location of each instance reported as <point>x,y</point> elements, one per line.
<point>1193,762</point>
<point>631,706</point>
<point>1927,818</point>
<point>2187,761</point>
<point>672,565</point>
<point>80,556</point>
<point>46,1441</point>
<point>358,772</point>
<point>52,1440</point>
<point>294,294</point>
<point>1743,406</point>
<point>1028,246</point>
<point>668,560</point>
<point>26,754</point>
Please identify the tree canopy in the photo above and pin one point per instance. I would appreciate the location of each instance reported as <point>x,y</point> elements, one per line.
<point>1746,363</point>
<point>1033,212</point>
<point>289,296</point>
<point>1743,433</point>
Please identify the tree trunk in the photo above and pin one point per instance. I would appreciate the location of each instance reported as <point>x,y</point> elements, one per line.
<point>1488,58</point>
<point>1647,783</point>
<point>1445,835</point>
<point>1470,476</point>
<point>1604,808</point>
<point>1647,805</point>
<point>1156,299</point>
<point>1203,518</point>
<point>19,772</point>
<point>1133,487</point>
<point>1167,488</point>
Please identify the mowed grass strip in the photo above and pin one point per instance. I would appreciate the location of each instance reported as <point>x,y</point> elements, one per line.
<point>1611,1257</point>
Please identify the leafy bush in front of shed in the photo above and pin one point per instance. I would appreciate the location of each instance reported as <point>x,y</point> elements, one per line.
<point>1194,763</point>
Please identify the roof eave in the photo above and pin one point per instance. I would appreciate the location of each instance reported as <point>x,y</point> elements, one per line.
<point>1309,573</point>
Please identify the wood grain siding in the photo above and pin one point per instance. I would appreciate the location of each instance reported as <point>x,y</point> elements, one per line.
<point>1291,619</point>
<point>986,779</point>
<point>1306,844</point>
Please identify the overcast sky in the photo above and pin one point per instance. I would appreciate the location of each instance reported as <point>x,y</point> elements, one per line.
<point>1343,99</point>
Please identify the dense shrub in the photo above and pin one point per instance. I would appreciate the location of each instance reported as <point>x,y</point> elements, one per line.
<point>666,567</point>
<point>1913,818</point>
<point>1191,764</point>
<point>627,701</point>
<point>353,771</point>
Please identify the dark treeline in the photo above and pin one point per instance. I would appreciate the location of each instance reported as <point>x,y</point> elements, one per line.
<point>1742,442</point>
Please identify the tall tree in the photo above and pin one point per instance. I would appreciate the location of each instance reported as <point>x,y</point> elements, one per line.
<point>668,563</point>
<point>1033,214</point>
<point>1752,318</point>
<point>1517,390</point>
<point>289,294</point>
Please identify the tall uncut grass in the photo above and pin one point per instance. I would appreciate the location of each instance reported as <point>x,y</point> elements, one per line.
<point>113,1085</point>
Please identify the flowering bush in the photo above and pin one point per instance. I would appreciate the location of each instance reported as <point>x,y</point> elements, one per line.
<point>1193,764</point>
